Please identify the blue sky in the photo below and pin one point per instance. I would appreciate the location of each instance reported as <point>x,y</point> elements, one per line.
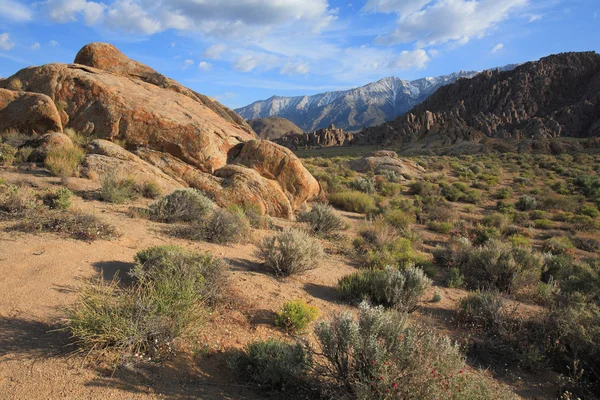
<point>239,51</point>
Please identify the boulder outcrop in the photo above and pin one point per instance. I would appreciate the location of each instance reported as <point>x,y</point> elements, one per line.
<point>326,137</point>
<point>171,132</point>
<point>385,160</point>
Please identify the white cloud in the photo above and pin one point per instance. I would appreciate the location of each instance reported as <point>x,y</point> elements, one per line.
<point>401,7</point>
<point>69,10</point>
<point>417,59</point>
<point>214,52</point>
<point>498,47</point>
<point>14,11</point>
<point>250,61</point>
<point>223,18</point>
<point>444,21</point>
<point>295,69</point>
<point>204,66</point>
<point>35,46</point>
<point>54,43</point>
<point>534,18</point>
<point>5,42</point>
<point>187,64</point>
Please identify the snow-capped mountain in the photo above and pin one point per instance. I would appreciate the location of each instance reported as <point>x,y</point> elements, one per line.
<point>353,109</point>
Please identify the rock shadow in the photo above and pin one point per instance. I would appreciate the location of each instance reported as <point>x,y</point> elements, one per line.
<point>30,339</point>
<point>322,292</point>
<point>109,270</point>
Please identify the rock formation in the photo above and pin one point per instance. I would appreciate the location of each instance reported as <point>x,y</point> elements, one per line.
<point>326,137</point>
<point>554,97</point>
<point>385,160</point>
<point>272,128</point>
<point>192,139</point>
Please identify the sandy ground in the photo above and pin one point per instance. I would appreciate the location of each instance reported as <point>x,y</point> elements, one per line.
<point>40,273</point>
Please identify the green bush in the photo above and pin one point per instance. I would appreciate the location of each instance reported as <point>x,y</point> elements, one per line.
<point>482,310</point>
<point>206,271</point>
<point>495,265</point>
<point>423,188</point>
<point>590,210</point>
<point>400,289</point>
<point>274,364</point>
<point>400,220</point>
<point>362,184</point>
<point>64,161</point>
<point>183,205</point>
<point>518,240</point>
<point>221,227</point>
<point>377,357</point>
<point>162,305</point>
<point>290,252</point>
<point>379,245</point>
<point>503,193</point>
<point>558,245</point>
<point>118,190</point>
<point>542,224</point>
<point>353,201</point>
<point>77,225</point>
<point>455,279</point>
<point>440,227</point>
<point>451,193</point>
<point>59,200</point>
<point>322,220</point>
<point>149,189</point>
<point>526,203</point>
<point>7,154</point>
<point>585,223</point>
<point>295,316</point>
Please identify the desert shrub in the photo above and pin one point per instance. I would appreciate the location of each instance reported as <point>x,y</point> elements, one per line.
<point>77,225</point>
<point>15,202</point>
<point>295,316</point>
<point>472,196</point>
<point>322,219</point>
<point>455,279</point>
<point>377,357</point>
<point>481,235</point>
<point>423,188</point>
<point>58,200</point>
<point>542,223</point>
<point>503,193</point>
<point>207,272</point>
<point>504,208</point>
<point>64,161</point>
<point>379,245</point>
<point>222,226</point>
<point>586,244</point>
<point>391,176</point>
<point>537,214</point>
<point>451,192</point>
<point>495,265</point>
<point>526,203</point>
<point>290,252</point>
<point>518,240</point>
<point>497,220</point>
<point>144,318</point>
<point>585,223</point>
<point>253,213</point>
<point>400,289</point>
<point>23,154</point>
<point>273,364</point>
<point>353,201</point>
<point>389,189</point>
<point>183,205</point>
<point>590,210</point>
<point>363,184</point>
<point>7,154</point>
<point>588,185</point>
<point>482,310</point>
<point>118,190</point>
<point>437,211</point>
<point>440,227</point>
<point>400,220</point>
<point>558,245</point>
<point>149,189</point>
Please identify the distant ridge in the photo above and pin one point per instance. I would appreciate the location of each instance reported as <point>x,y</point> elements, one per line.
<point>351,110</point>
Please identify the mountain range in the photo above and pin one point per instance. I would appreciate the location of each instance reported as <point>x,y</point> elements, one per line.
<point>557,96</point>
<point>354,109</point>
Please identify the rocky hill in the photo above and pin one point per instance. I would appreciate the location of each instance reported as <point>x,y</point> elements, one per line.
<point>272,128</point>
<point>169,132</point>
<point>325,137</point>
<point>353,109</point>
<point>557,96</point>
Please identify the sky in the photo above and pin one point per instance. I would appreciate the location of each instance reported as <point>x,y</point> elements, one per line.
<point>240,51</point>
